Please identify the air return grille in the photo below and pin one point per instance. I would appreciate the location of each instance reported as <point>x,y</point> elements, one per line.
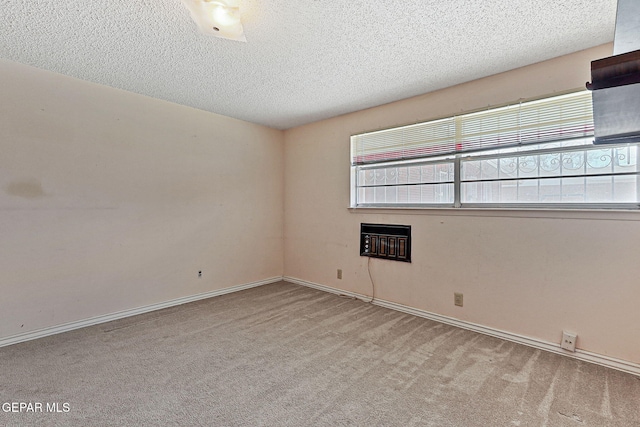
<point>386,241</point>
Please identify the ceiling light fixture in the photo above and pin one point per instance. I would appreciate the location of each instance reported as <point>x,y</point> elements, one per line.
<point>220,18</point>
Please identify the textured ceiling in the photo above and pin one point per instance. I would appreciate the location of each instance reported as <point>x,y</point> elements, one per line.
<point>304,60</point>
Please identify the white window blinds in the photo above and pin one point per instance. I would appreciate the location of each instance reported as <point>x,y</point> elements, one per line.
<point>551,119</point>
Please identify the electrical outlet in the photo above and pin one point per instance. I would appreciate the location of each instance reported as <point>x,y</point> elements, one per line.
<point>340,273</point>
<point>568,341</point>
<point>199,273</point>
<point>457,299</point>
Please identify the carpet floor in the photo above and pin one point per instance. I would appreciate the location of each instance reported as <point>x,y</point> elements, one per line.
<point>286,355</point>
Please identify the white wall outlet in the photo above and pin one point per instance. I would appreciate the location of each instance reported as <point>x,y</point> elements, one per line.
<point>568,341</point>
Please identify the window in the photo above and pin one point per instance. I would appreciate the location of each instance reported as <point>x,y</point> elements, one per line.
<point>533,154</point>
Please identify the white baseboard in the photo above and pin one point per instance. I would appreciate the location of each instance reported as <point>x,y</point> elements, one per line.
<point>610,362</point>
<point>587,356</point>
<point>58,329</point>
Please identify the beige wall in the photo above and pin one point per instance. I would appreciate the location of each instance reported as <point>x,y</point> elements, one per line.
<point>529,273</point>
<point>111,201</point>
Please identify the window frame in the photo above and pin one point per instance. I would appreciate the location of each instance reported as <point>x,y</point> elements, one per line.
<point>460,158</point>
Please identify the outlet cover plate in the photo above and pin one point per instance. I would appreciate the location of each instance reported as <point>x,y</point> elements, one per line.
<point>569,341</point>
<point>457,299</point>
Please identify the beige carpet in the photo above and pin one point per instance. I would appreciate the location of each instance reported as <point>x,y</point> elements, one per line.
<point>285,355</point>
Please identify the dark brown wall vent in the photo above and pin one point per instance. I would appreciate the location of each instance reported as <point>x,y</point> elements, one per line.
<point>386,241</point>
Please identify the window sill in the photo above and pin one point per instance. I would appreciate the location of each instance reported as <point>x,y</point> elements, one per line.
<point>520,212</point>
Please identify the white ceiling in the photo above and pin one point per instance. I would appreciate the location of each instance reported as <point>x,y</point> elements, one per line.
<point>304,60</point>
